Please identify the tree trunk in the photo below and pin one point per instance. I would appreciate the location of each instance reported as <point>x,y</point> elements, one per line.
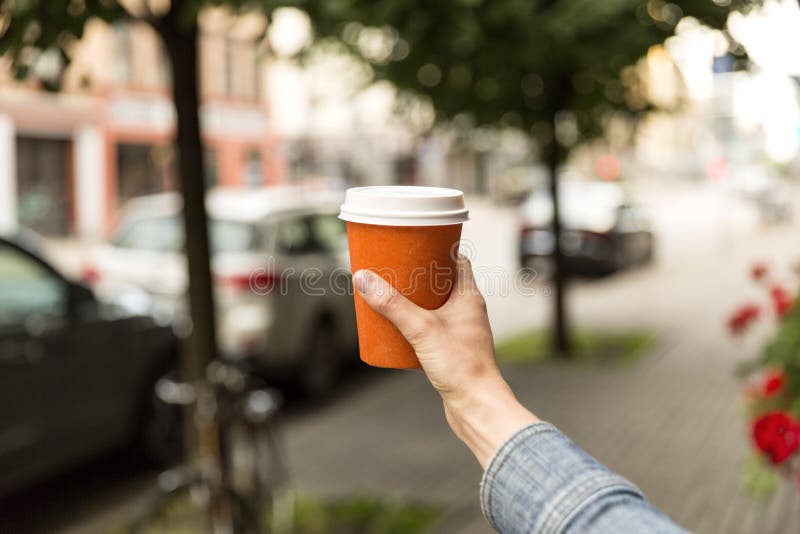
<point>180,40</point>
<point>560,333</point>
<point>181,45</point>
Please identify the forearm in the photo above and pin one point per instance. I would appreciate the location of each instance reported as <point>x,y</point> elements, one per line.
<point>540,481</point>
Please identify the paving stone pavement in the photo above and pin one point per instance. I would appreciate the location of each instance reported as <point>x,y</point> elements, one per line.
<point>670,424</point>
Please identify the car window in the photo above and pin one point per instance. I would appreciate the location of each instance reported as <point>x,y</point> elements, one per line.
<point>294,236</point>
<point>162,234</point>
<point>583,207</point>
<point>165,234</point>
<point>27,289</point>
<point>329,232</point>
<point>233,236</point>
<point>631,219</point>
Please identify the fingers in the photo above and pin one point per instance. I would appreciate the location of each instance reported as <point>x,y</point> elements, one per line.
<point>382,297</point>
<point>465,280</point>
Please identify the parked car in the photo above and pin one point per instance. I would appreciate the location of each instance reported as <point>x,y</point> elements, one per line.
<point>76,375</point>
<point>275,252</point>
<point>602,230</point>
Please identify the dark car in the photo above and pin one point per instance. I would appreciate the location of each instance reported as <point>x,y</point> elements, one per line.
<point>76,375</point>
<point>602,230</point>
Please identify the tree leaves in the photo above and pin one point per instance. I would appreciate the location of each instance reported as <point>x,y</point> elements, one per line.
<point>489,59</point>
<point>35,27</point>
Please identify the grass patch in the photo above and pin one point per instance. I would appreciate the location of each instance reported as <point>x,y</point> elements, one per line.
<point>362,515</point>
<point>311,515</point>
<point>589,346</point>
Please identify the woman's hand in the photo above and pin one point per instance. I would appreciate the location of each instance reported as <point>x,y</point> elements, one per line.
<point>455,347</point>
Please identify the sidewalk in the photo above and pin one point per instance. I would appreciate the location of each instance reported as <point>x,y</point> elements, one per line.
<point>670,425</point>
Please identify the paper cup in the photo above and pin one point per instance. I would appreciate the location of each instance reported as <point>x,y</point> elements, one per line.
<point>409,236</point>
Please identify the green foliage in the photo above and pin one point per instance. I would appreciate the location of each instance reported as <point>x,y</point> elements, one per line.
<point>363,515</point>
<point>773,390</point>
<point>28,27</point>
<point>590,346</point>
<point>351,515</point>
<point>513,62</point>
<point>504,62</point>
<point>781,352</point>
<point>758,478</point>
<point>784,349</point>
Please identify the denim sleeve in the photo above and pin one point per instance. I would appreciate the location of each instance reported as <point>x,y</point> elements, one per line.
<point>539,481</point>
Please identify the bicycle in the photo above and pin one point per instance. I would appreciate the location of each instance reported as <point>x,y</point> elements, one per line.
<point>238,476</point>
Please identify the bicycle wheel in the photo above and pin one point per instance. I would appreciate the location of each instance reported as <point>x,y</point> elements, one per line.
<point>258,473</point>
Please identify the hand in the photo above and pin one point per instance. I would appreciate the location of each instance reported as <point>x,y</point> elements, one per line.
<point>455,348</point>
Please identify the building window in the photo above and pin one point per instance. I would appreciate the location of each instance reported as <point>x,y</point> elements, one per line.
<point>229,67</point>
<point>144,170</point>
<point>141,58</point>
<point>213,75</point>
<point>253,171</point>
<point>164,72</point>
<point>242,70</point>
<point>123,62</point>
<point>43,175</point>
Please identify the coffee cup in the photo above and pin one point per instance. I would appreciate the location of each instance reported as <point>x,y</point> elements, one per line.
<point>408,235</point>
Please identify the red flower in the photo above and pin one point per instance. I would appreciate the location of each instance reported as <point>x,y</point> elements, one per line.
<point>777,435</point>
<point>758,271</point>
<point>742,318</point>
<point>773,382</point>
<point>781,300</point>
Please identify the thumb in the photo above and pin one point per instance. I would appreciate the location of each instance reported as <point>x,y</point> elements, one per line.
<point>382,297</point>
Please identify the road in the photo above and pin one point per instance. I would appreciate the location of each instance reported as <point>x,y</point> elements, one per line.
<point>670,423</point>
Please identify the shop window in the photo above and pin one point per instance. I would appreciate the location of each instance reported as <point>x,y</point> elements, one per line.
<point>43,175</point>
<point>144,170</point>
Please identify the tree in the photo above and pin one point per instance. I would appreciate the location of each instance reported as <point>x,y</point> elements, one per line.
<point>552,68</point>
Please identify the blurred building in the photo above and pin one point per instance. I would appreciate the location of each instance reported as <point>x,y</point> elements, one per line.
<point>69,159</point>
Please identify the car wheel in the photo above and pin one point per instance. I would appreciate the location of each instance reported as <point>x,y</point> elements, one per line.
<point>161,430</point>
<point>322,363</point>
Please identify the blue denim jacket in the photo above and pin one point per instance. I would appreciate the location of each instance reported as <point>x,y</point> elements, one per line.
<point>540,481</point>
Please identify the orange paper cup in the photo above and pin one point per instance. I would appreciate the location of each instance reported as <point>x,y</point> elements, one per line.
<point>409,236</point>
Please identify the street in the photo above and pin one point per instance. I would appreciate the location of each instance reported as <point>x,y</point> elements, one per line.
<point>671,423</point>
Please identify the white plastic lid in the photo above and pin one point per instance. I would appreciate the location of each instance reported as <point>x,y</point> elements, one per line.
<point>398,205</point>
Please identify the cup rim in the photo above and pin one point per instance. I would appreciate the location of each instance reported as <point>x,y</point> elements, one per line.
<point>446,206</point>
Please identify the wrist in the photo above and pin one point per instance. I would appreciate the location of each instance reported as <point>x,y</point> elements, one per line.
<point>486,417</point>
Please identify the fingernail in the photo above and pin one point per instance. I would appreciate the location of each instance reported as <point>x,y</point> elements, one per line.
<point>363,281</point>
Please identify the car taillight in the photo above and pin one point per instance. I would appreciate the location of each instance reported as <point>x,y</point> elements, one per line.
<point>258,281</point>
<point>90,275</point>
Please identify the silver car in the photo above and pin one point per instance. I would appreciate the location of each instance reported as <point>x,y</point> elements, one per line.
<point>280,265</point>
